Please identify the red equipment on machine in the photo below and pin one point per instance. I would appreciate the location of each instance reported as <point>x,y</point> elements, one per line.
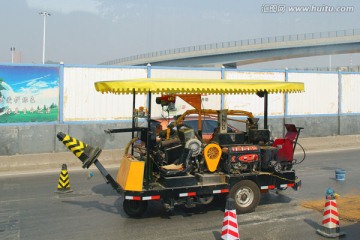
<point>165,100</point>
<point>287,144</point>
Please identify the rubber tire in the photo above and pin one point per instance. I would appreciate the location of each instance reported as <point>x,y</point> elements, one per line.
<point>135,209</point>
<point>206,200</point>
<point>249,188</point>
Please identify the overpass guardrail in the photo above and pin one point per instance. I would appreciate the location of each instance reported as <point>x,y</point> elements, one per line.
<point>239,43</point>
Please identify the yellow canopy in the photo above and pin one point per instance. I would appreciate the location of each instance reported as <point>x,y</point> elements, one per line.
<point>191,86</point>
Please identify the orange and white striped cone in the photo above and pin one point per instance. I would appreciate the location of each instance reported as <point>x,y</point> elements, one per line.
<point>330,222</point>
<point>230,229</point>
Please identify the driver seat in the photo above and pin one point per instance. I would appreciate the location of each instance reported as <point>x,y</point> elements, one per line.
<point>173,170</point>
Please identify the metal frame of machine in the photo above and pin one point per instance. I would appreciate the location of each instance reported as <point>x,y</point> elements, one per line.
<point>240,165</point>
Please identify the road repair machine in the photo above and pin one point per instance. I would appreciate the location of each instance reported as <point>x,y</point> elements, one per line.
<point>177,166</point>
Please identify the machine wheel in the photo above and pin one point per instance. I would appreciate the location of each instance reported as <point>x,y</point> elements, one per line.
<point>206,199</point>
<point>134,209</point>
<point>246,195</point>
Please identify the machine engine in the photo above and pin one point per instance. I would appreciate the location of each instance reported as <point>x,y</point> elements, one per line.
<point>241,158</point>
<point>269,159</point>
<point>175,150</point>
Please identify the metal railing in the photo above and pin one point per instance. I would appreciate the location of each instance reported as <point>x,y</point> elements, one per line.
<point>247,42</point>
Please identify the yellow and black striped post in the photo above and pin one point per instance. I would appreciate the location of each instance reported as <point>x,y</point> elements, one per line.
<point>64,181</point>
<point>83,151</point>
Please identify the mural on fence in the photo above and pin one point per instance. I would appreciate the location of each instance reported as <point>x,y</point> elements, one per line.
<point>29,94</point>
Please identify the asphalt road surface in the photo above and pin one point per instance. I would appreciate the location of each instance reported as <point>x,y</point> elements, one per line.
<point>29,208</point>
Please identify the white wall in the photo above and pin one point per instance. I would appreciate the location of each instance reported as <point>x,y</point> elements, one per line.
<point>350,93</point>
<point>83,103</point>
<point>320,96</point>
<point>253,103</point>
<point>210,101</point>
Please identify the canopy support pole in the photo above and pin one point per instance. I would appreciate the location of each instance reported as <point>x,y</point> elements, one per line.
<point>148,164</point>
<point>133,121</point>
<point>265,110</point>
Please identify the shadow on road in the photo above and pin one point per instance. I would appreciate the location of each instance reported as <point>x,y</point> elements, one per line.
<point>273,197</point>
<point>312,223</point>
<point>217,235</point>
<point>156,209</point>
<point>95,205</point>
<point>352,230</point>
<point>105,190</point>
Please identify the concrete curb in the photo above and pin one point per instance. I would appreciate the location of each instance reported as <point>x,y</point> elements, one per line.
<point>330,142</point>
<point>52,161</point>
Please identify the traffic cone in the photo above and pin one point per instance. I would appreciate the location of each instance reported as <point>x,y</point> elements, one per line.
<point>230,229</point>
<point>64,181</point>
<point>87,154</point>
<point>330,223</point>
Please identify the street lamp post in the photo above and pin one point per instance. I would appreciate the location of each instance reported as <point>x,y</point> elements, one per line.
<point>44,14</point>
<point>12,49</point>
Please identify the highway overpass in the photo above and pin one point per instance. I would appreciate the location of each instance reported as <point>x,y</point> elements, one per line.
<point>236,53</point>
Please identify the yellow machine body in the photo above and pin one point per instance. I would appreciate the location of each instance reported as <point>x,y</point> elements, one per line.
<point>212,154</point>
<point>131,174</point>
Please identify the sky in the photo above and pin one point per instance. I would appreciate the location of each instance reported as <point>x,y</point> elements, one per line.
<point>95,31</point>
